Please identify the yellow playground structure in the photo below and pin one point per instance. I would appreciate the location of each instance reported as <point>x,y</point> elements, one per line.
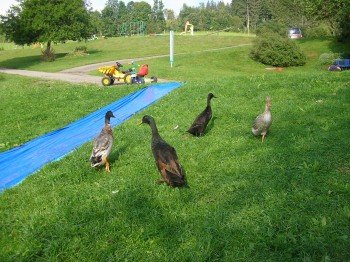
<point>188,28</point>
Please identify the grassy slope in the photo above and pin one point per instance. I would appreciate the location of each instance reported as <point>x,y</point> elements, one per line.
<point>113,49</point>
<point>286,199</point>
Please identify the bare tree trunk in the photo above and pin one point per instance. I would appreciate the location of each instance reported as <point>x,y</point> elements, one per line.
<point>48,46</point>
<point>48,55</point>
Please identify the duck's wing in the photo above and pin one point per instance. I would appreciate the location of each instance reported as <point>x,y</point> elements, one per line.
<point>259,123</point>
<point>102,144</point>
<point>169,166</point>
<point>203,118</point>
<point>201,121</point>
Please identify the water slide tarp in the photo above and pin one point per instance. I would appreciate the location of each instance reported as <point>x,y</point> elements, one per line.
<point>21,161</point>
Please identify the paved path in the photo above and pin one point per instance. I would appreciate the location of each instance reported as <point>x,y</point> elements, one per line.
<point>80,74</point>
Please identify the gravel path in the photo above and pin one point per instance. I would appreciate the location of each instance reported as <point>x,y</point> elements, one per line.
<point>72,78</point>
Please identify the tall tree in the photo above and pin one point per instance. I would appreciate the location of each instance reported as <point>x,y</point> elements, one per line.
<point>47,21</point>
<point>250,10</point>
<point>96,22</point>
<point>110,15</point>
<point>157,20</point>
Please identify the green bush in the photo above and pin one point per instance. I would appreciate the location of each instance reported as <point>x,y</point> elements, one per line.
<point>276,50</point>
<point>271,27</point>
<point>81,48</point>
<point>80,51</point>
<point>319,31</point>
<point>328,58</point>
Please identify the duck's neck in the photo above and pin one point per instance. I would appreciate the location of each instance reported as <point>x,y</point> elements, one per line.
<point>267,108</point>
<point>107,120</point>
<point>208,101</point>
<point>155,133</point>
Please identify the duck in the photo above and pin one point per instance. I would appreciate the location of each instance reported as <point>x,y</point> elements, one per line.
<point>263,121</point>
<point>102,145</point>
<point>165,157</point>
<point>200,123</point>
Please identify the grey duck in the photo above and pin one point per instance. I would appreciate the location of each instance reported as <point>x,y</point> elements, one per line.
<point>263,121</point>
<point>102,145</point>
<point>200,123</point>
<point>166,158</point>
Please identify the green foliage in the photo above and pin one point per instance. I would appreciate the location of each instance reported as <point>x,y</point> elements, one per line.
<point>96,23</point>
<point>110,15</point>
<point>321,30</point>
<point>157,22</point>
<point>328,58</point>
<point>277,51</point>
<point>82,48</point>
<point>252,9</point>
<point>344,35</point>
<point>80,51</point>
<point>271,27</point>
<point>334,13</point>
<point>44,21</point>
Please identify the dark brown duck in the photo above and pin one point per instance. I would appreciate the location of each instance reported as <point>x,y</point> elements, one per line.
<point>200,123</point>
<point>166,158</point>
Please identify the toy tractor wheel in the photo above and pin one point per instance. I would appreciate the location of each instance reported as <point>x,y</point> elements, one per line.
<point>106,81</point>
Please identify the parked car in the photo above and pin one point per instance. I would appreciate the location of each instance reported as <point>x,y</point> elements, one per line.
<point>294,33</point>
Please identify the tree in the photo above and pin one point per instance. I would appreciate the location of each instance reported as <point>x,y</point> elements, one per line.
<point>110,15</point>
<point>250,10</point>
<point>171,22</point>
<point>157,20</point>
<point>96,22</point>
<point>336,13</point>
<point>47,21</point>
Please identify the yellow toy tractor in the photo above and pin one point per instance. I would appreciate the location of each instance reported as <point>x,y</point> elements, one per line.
<point>114,74</point>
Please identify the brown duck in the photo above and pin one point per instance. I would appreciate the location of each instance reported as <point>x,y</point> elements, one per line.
<point>263,121</point>
<point>200,123</point>
<point>166,158</point>
<point>102,145</point>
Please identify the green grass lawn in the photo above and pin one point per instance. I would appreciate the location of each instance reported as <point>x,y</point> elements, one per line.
<point>286,199</point>
<point>114,49</point>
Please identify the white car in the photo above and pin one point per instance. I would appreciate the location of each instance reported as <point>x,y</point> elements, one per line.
<point>294,33</point>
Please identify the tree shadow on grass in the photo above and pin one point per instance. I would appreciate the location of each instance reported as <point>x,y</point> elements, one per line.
<point>340,48</point>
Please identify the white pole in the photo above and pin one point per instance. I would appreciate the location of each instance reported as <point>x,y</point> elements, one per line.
<point>171,48</point>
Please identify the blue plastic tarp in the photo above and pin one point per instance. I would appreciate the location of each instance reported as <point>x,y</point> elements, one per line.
<point>21,161</point>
